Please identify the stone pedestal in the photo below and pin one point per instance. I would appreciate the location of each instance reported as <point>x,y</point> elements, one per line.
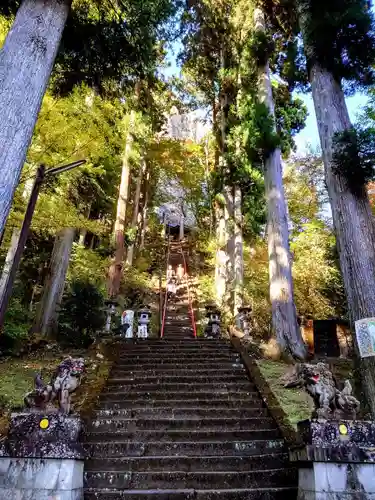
<point>337,461</point>
<point>41,458</point>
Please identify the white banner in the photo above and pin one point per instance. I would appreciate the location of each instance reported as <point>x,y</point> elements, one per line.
<point>365,333</point>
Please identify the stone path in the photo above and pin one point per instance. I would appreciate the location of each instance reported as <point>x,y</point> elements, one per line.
<point>180,419</point>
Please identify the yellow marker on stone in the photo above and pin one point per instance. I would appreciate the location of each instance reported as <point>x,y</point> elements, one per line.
<point>343,429</point>
<point>44,423</point>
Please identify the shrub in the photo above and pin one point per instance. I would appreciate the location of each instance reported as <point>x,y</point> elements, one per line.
<point>16,327</point>
<point>82,314</point>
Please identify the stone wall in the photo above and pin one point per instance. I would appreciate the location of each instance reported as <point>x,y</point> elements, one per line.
<point>337,481</point>
<point>41,479</point>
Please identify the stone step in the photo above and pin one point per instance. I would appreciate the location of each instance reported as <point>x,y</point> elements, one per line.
<point>120,424</point>
<point>190,350</point>
<point>192,412</point>
<point>173,378</point>
<point>220,388</point>
<point>177,403</point>
<point>193,494</point>
<point>119,449</point>
<point>190,480</point>
<point>164,341</point>
<point>172,435</point>
<point>173,372</point>
<point>186,355</point>
<point>147,395</point>
<point>118,397</point>
<point>188,464</point>
<point>170,346</point>
<point>179,357</point>
<point>177,322</point>
<point>188,365</point>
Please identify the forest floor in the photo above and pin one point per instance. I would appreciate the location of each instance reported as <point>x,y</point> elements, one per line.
<point>295,402</point>
<point>17,379</point>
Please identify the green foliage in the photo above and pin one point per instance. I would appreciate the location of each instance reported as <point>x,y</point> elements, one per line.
<point>339,35</point>
<point>288,60</point>
<point>354,156</point>
<point>82,314</point>
<point>291,114</point>
<point>17,323</point>
<point>295,402</point>
<point>130,236</point>
<point>220,199</point>
<point>88,266</point>
<point>136,288</point>
<point>107,44</point>
<point>260,139</point>
<point>317,279</point>
<point>81,125</point>
<point>260,48</point>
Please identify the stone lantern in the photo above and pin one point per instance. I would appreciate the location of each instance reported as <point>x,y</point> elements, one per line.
<point>144,317</point>
<point>244,316</point>
<point>213,315</point>
<point>111,310</point>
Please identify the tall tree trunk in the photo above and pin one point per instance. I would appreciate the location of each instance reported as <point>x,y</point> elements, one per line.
<point>351,212</point>
<point>229,245</point>
<point>238,251</point>
<point>223,261</point>
<point>142,170</point>
<point>221,255</point>
<point>48,313</point>
<point>145,211</point>
<point>82,237</point>
<point>9,260</point>
<point>115,270</point>
<point>26,62</point>
<point>352,217</point>
<point>284,315</point>
<point>83,232</point>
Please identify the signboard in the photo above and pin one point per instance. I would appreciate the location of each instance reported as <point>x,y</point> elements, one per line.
<point>127,320</point>
<point>365,333</point>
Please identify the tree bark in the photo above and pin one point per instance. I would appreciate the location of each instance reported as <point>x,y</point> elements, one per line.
<point>145,211</point>
<point>26,62</point>
<point>229,245</point>
<point>221,257</point>
<point>352,217</point>
<point>82,237</point>
<point>238,252</point>
<point>142,170</point>
<point>284,314</point>
<point>223,261</point>
<point>115,270</point>
<point>9,260</point>
<point>47,317</point>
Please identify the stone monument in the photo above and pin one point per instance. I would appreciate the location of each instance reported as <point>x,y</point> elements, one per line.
<point>144,317</point>
<point>127,321</point>
<point>41,458</point>
<point>213,315</point>
<point>244,319</point>
<point>337,458</point>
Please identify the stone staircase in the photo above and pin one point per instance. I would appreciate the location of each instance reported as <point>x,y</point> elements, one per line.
<point>180,419</point>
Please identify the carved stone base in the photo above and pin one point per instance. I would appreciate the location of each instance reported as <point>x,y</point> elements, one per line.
<point>43,435</point>
<point>41,459</point>
<point>337,461</point>
<point>333,481</point>
<point>40,479</point>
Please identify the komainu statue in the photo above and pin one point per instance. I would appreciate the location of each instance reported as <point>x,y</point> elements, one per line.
<point>65,380</point>
<point>319,383</point>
